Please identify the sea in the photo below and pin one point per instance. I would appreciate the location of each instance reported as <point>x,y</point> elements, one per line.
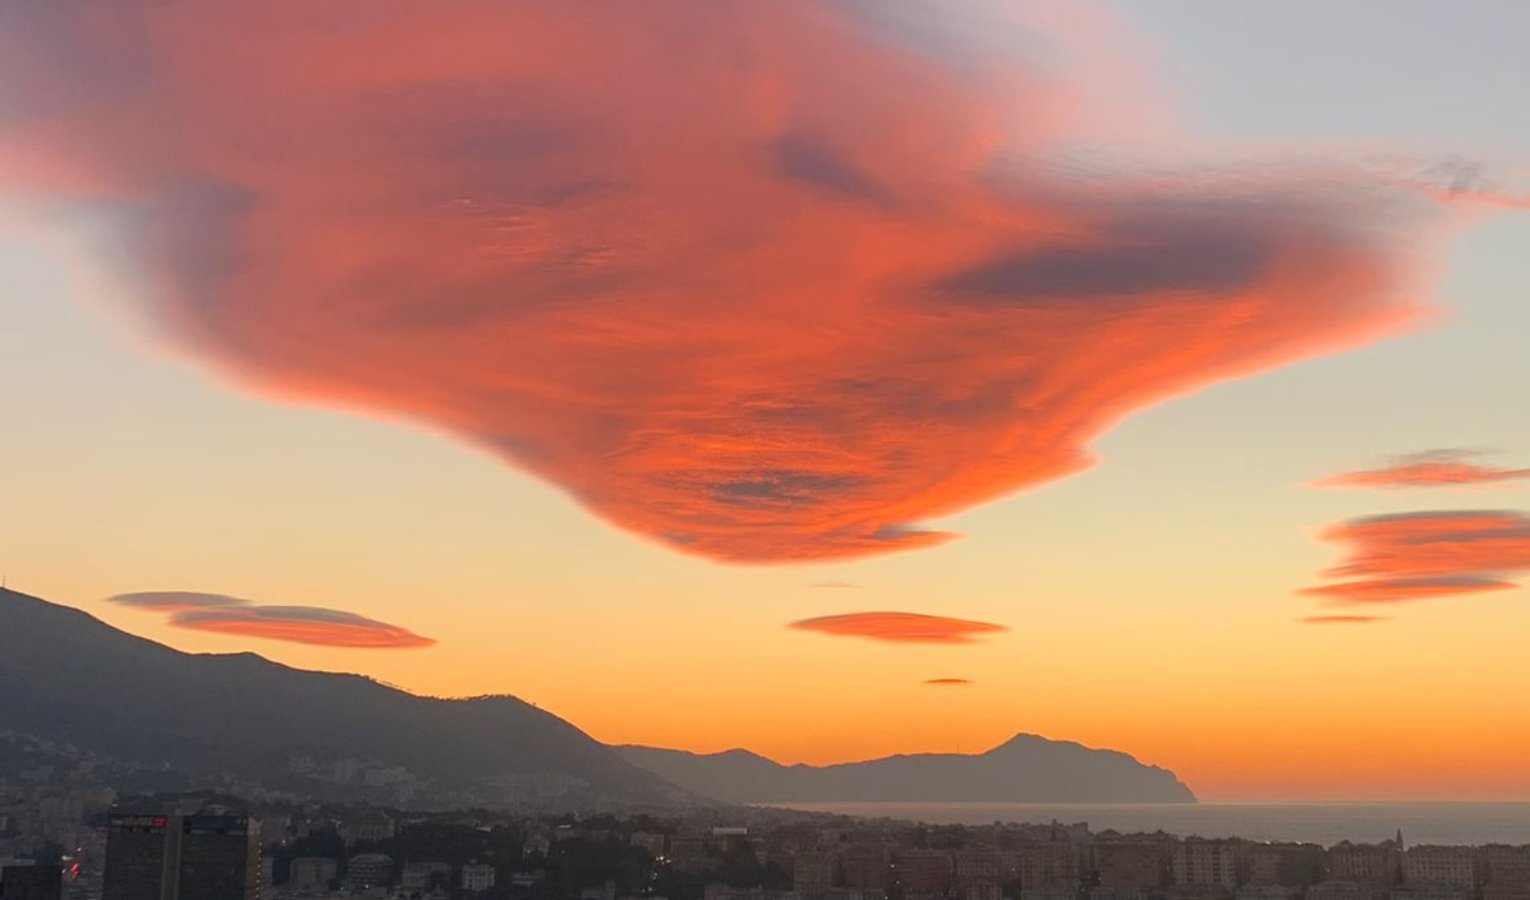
<point>1322,823</point>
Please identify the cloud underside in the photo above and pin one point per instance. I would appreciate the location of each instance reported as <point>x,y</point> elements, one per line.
<point>1341,620</point>
<point>1399,590</point>
<point>221,614</point>
<point>900,627</point>
<point>767,283</point>
<point>1435,469</point>
<point>1420,555</point>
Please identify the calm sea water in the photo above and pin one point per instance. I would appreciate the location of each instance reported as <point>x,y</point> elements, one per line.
<point>1324,823</point>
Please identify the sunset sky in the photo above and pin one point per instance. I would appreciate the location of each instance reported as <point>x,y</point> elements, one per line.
<point>831,378</point>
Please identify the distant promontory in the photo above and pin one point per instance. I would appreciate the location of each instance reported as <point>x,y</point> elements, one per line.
<point>1024,769</point>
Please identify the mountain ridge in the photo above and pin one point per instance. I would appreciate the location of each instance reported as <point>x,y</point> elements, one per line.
<point>149,712</point>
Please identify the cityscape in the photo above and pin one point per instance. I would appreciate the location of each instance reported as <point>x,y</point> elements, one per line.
<point>88,846</point>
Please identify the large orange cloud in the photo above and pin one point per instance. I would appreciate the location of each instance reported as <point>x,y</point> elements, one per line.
<point>1447,468</point>
<point>221,614</point>
<point>900,627</point>
<point>761,281</point>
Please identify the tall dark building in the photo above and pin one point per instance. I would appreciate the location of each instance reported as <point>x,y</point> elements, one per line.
<point>141,855</point>
<point>220,858</point>
<point>31,883</point>
<point>202,857</point>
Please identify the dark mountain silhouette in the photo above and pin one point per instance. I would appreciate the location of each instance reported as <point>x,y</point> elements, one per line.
<point>1025,769</point>
<point>75,691</point>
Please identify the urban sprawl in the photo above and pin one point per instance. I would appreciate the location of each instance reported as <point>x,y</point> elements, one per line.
<point>85,845</point>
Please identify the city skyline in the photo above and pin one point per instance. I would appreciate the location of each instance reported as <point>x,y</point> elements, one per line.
<point>1208,557</point>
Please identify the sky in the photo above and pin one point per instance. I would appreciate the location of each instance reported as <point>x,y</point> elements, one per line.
<point>827,379</point>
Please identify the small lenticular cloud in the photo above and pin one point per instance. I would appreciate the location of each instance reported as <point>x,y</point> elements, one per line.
<point>300,625</point>
<point>947,682</point>
<point>175,601</point>
<point>900,627</point>
<point>221,614</point>
<point>1434,543</point>
<point>1433,469</point>
<point>1409,556</point>
<point>1402,590</point>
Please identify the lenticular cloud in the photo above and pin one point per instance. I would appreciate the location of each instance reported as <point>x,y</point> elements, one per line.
<point>1433,469</point>
<point>222,614</point>
<point>1402,557</point>
<point>763,282</point>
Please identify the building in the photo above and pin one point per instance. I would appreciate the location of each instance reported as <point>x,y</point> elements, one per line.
<point>1286,864</point>
<point>419,877</point>
<point>866,866</point>
<point>1128,864</point>
<point>978,864</point>
<point>367,870</point>
<point>1431,890</point>
<point>1107,892</point>
<point>1506,865</point>
<point>1429,863</point>
<point>922,872</point>
<point>1269,892</point>
<point>140,850</point>
<point>649,841</point>
<point>844,893</point>
<point>369,828</point>
<point>1345,890</point>
<point>477,877</point>
<point>813,874</point>
<point>220,858</point>
<point>1196,892</point>
<point>158,857</point>
<point>729,892</point>
<point>1046,869</point>
<point>312,874</point>
<point>982,890</point>
<point>1200,862</point>
<point>1365,863</point>
<point>31,883</point>
<point>1511,890</point>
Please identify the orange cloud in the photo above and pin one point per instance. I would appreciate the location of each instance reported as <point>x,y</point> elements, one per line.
<point>1422,555</point>
<point>301,625</point>
<point>900,627</point>
<point>1405,545</point>
<point>296,624</point>
<point>1341,620</point>
<point>765,282</point>
<point>1445,468</point>
<point>1398,590</point>
<point>947,682</point>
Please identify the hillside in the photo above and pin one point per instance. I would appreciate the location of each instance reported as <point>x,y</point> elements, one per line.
<point>79,696</point>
